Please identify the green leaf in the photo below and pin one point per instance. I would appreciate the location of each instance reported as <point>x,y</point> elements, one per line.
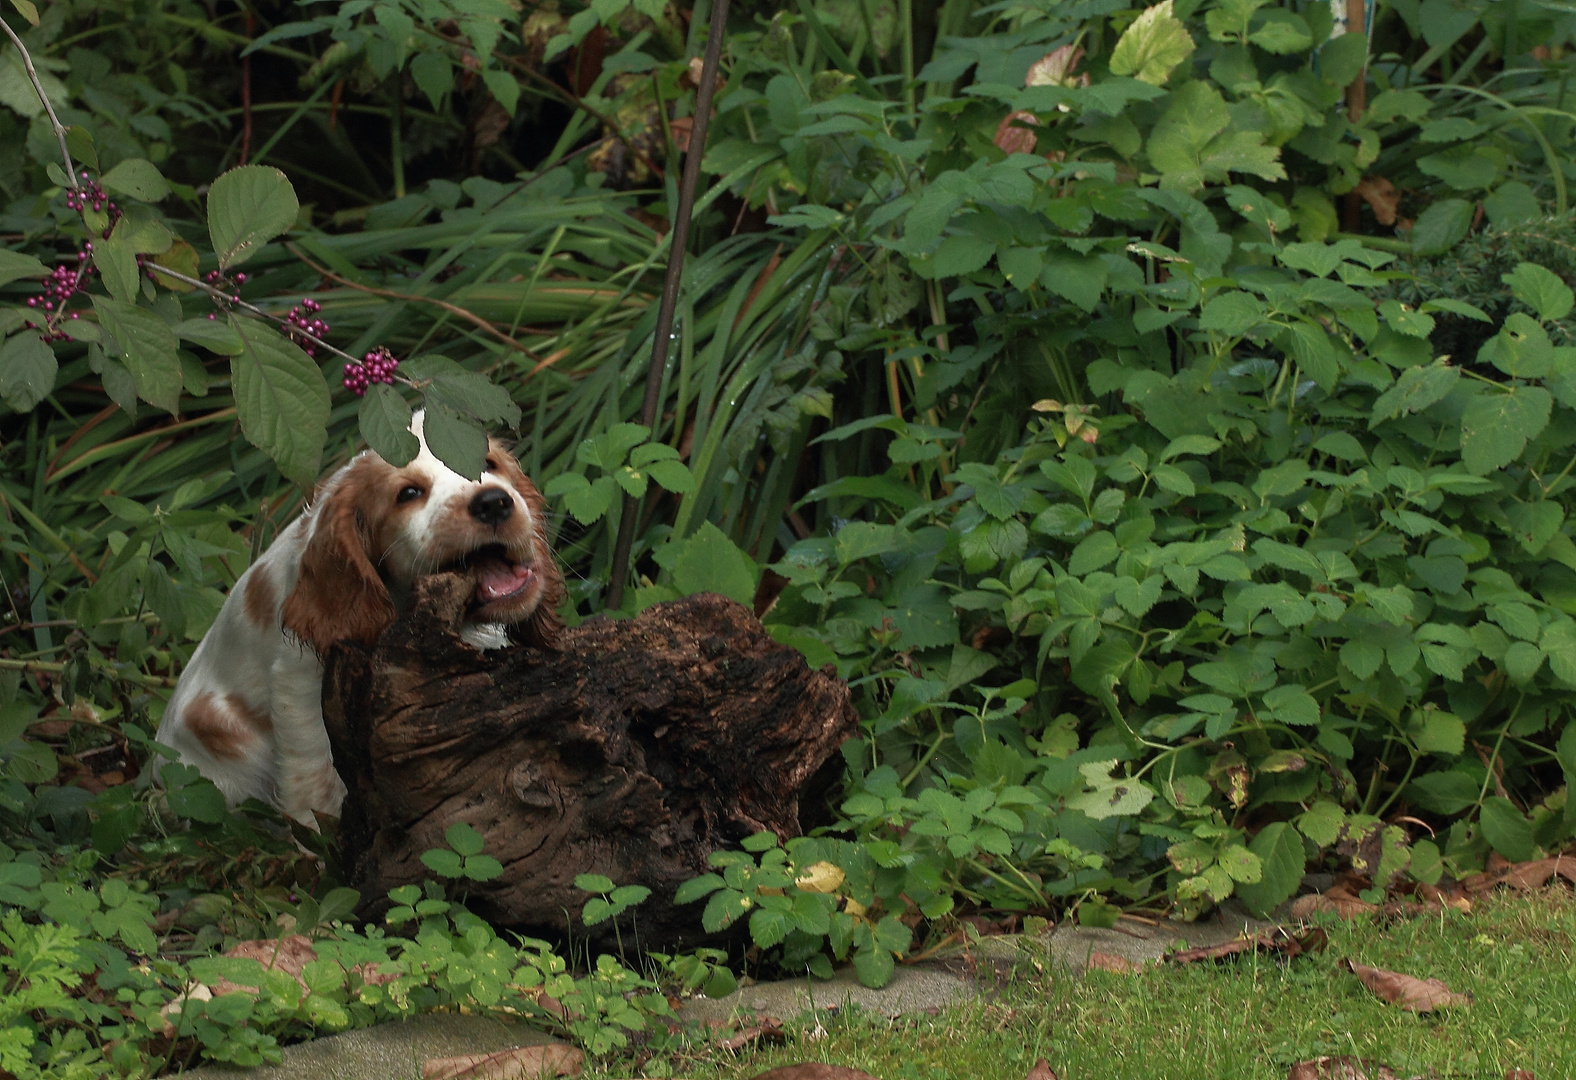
<point>1189,444</point>
<point>14,265</point>
<point>139,179</point>
<point>695,888</point>
<point>117,266</point>
<point>1416,389</point>
<point>147,346</point>
<point>27,371</point>
<point>1190,145</point>
<point>504,88</point>
<point>1234,312</point>
<point>464,839</point>
<point>281,399</point>
<point>1443,792</point>
<point>384,420</point>
<point>594,883</point>
<point>27,9</point>
<point>434,76</point>
<point>1521,349</point>
<point>709,562</point>
<point>1080,279</point>
<point>1243,865</point>
<point>457,441</point>
<point>1152,46</point>
<point>466,392</point>
<point>1495,427</point>
<point>1541,290</point>
<point>1442,226</point>
<point>1440,733</point>
<point>213,335</point>
<point>247,207</point>
<point>1559,642</point>
<point>1279,850</point>
<point>444,863</point>
<point>1507,829</point>
<point>962,253</point>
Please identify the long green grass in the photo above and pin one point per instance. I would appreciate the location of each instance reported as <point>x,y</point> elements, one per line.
<point>1247,1019</point>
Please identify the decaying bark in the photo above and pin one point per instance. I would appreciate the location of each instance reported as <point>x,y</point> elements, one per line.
<point>633,750</point>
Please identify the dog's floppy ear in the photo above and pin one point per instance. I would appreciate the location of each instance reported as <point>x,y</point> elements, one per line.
<point>338,595</point>
<point>544,625</point>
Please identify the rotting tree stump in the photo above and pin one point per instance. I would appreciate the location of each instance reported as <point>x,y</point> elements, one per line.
<point>634,749</point>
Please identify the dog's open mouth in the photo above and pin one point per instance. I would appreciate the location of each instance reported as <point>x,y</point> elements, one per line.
<point>498,574</point>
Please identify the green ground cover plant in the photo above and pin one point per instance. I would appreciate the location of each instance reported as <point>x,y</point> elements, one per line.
<point>1162,416</point>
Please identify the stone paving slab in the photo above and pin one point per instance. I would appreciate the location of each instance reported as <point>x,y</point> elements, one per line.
<point>912,989</point>
<point>393,1051</point>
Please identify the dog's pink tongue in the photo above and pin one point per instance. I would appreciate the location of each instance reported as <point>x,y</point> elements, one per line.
<point>496,579</point>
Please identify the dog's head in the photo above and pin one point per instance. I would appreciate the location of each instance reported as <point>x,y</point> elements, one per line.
<point>375,524</point>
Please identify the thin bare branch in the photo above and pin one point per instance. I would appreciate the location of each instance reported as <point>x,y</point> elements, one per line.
<point>38,87</point>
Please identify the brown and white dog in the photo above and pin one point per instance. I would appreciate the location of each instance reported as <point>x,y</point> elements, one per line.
<point>247,711</point>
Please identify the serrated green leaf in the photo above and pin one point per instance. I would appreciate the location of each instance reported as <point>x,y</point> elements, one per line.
<point>695,888</point>
<point>147,346</point>
<point>139,179</point>
<point>1495,427</point>
<point>457,441</point>
<point>1541,290</point>
<point>1280,854</point>
<point>117,267</point>
<point>1152,46</point>
<point>384,421</point>
<point>1507,829</point>
<point>281,399</point>
<point>27,371</point>
<point>247,207</point>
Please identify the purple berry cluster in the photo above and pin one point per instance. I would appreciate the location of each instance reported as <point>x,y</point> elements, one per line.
<point>88,195</point>
<point>376,367</point>
<point>303,324</point>
<point>59,287</point>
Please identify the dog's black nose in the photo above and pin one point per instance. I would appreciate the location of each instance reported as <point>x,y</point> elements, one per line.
<point>492,506</point>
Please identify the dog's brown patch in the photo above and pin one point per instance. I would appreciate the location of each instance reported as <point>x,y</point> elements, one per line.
<point>259,720</point>
<point>222,733</point>
<point>262,606</point>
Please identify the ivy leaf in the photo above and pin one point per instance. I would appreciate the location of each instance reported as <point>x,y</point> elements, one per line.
<point>27,371</point>
<point>281,398</point>
<point>247,207</point>
<point>1495,427</point>
<point>1152,46</point>
<point>147,346</point>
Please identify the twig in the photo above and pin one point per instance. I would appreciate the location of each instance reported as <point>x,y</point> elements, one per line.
<point>38,88</point>
<point>232,299</point>
<point>453,309</point>
<point>678,243</point>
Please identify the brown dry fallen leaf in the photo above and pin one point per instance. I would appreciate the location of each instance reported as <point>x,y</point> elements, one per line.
<point>1042,1071</point>
<point>1274,941</point>
<point>813,1070</point>
<point>1339,1068</point>
<point>520,1063</point>
<point>1380,194</point>
<point>1337,900</point>
<point>1519,1074</point>
<point>1013,139</point>
<point>1408,991</point>
<point>1110,962</point>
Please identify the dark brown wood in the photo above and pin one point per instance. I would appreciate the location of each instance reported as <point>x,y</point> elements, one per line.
<point>633,750</point>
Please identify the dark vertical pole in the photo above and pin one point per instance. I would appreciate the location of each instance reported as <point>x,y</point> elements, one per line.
<point>679,242</point>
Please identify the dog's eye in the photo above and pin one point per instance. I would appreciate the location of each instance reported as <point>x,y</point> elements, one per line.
<point>406,494</point>
<point>492,465</point>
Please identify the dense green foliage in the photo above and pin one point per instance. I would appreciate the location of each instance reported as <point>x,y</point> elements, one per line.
<point>1179,523</point>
